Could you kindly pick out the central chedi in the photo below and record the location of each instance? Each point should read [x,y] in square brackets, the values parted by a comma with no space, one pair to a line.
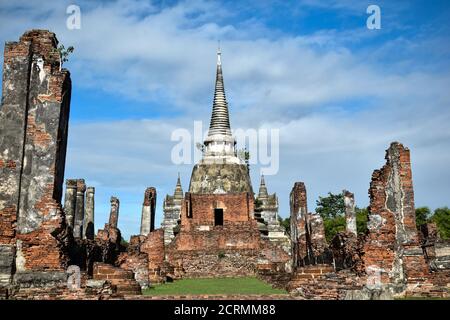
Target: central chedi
[214,229]
[220,170]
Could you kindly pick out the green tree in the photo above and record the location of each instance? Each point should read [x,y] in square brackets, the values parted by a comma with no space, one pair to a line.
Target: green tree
[362,216]
[331,206]
[123,242]
[333,225]
[64,53]
[332,210]
[422,216]
[441,217]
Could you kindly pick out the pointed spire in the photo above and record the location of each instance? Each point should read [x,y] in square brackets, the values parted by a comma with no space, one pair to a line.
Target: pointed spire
[262,189]
[220,120]
[219,53]
[178,189]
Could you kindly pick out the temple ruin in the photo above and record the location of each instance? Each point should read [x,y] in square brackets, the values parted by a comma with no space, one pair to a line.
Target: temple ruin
[218,228]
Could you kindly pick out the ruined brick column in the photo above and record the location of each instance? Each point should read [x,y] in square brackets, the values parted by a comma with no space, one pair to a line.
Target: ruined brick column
[33,124]
[392,251]
[114,214]
[148,211]
[88,223]
[316,241]
[13,120]
[155,249]
[299,210]
[70,200]
[79,209]
[350,215]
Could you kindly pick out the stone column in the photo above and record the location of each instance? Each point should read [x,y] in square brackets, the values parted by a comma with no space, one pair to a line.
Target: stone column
[88,223]
[13,125]
[70,200]
[33,136]
[299,212]
[148,211]
[114,215]
[34,118]
[350,215]
[317,242]
[392,249]
[79,209]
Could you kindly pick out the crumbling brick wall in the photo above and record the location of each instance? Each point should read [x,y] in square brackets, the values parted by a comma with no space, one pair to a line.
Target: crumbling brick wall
[222,261]
[437,250]
[392,247]
[135,260]
[309,244]
[108,241]
[348,250]
[239,235]
[154,247]
[316,230]
[34,125]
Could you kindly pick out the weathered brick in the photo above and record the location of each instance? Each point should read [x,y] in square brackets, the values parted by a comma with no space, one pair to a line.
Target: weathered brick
[32,147]
[392,226]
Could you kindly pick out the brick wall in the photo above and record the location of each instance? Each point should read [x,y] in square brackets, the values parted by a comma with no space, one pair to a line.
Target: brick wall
[234,235]
[198,209]
[33,125]
[153,246]
[392,246]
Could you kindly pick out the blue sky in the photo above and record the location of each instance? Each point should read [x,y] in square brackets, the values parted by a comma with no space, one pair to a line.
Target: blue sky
[338,92]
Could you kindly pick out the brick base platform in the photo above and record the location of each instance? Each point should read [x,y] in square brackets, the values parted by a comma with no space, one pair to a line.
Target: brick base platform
[122,279]
[214,297]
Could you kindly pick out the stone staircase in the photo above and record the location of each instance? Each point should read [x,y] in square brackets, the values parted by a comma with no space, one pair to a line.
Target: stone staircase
[312,272]
[321,282]
[122,279]
[308,274]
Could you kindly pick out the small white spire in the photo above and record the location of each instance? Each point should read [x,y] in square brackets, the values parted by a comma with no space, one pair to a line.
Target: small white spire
[218,54]
[220,120]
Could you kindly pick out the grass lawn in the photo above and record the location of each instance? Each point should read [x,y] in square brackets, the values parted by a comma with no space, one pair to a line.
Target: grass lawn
[421,298]
[248,285]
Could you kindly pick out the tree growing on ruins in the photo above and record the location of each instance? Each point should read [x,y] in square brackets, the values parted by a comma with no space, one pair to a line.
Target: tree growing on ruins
[201,147]
[332,210]
[441,217]
[244,154]
[64,54]
[422,216]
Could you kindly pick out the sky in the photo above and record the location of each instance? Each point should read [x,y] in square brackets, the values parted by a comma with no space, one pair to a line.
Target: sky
[338,92]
